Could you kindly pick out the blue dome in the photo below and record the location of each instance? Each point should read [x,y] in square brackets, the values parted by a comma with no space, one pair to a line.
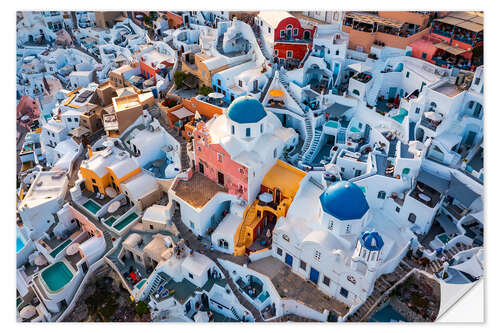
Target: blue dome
[246,110]
[344,200]
[372,241]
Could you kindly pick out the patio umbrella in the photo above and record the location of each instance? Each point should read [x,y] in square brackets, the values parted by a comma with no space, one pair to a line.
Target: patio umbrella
[40,260]
[215,95]
[111,192]
[197,115]
[434,116]
[113,207]
[73,249]
[276,93]
[266,197]
[28,312]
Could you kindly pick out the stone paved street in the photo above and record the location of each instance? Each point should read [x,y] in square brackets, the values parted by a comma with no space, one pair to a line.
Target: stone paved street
[290,285]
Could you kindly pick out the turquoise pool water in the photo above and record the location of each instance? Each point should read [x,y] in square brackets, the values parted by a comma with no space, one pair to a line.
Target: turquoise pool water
[126,221]
[387,314]
[354,129]
[57,276]
[140,284]
[401,116]
[92,206]
[61,247]
[332,124]
[263,296]
[19,244]
[110,221]
[444,238]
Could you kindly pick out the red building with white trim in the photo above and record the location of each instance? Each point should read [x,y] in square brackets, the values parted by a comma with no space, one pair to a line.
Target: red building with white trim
[291,39]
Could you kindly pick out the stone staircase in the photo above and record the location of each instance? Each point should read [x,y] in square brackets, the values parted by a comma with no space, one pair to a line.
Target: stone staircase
[309,135]
[382,284]
[244,241]
[436,265]
[260,42]
[372,95]
[243,301]
[233,311]
[309,155]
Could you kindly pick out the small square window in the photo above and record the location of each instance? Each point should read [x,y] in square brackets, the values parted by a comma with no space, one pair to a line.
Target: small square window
[190,275]
[326,281]
[303,265]
[344,292]
[93,180]
[424,55]
[279,251]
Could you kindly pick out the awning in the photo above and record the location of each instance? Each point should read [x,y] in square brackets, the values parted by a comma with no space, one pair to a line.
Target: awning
[462,192]
[455,50]
[79,132]
[437,183]
[450,20]
[370,19]
[470,26]
[182,113]
[337,109]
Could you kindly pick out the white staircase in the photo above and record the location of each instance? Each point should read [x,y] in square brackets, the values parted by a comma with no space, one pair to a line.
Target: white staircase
[312,151]
[371,97]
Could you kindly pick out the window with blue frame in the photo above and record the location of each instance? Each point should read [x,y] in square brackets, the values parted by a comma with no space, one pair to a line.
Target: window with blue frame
[344,292]
[248,131]
[424,55]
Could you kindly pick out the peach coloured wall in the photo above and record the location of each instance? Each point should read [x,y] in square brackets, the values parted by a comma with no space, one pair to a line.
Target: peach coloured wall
[234,173]
[366,39]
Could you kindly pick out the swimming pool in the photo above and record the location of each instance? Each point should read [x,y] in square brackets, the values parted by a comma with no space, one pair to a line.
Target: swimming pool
[110,221]
[387,314]
[263,296]
[56,276]
[140,284]
[92,206]
[444,238]
[401,116]
[126,221]
[354,129]
[332,124]
[61,247]
[19,244]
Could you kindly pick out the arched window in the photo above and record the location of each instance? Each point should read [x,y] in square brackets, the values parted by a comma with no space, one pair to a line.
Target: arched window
[381,195]
[412,218]
[307,34]
[355,92]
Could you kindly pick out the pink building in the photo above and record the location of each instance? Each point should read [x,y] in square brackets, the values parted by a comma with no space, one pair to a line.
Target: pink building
[213,161]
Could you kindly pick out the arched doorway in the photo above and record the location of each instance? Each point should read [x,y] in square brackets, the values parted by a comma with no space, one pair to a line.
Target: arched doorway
[307,34]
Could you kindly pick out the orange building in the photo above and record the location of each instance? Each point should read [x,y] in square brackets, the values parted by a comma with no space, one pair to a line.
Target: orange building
[392,29]
[180,116]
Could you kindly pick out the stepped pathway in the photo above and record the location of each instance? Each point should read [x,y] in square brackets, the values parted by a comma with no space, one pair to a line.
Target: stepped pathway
[196,245]
[156,113]
[382,284]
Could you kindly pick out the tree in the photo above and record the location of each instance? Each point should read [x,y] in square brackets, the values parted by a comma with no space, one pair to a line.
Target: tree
[179,77]
[204,90]
[141,308]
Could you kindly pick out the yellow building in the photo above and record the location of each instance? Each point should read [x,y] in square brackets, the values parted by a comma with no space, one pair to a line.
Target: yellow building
[278,189]
[107,168]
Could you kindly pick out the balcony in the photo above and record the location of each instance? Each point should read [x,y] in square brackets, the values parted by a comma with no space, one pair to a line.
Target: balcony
[426,195]
[427,123]
[363,77]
